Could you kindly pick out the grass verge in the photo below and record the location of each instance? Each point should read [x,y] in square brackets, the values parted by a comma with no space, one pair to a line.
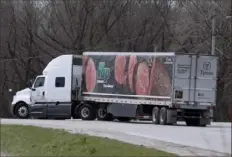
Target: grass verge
[36,141]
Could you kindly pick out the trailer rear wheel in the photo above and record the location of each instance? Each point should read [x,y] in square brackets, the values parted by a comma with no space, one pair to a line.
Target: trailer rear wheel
[163,116]
[155,115]
[103,115]
[87,112]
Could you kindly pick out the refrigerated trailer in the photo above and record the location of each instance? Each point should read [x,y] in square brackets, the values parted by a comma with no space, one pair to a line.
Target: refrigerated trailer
[161,87]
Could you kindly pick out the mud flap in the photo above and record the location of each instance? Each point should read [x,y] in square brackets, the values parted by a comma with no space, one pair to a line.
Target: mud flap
[205,121]
[171,116]
[206,117]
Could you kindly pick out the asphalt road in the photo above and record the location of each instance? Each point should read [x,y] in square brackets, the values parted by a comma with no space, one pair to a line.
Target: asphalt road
[212,140]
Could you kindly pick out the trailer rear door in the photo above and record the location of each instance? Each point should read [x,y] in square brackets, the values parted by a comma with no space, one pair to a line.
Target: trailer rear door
[194,80]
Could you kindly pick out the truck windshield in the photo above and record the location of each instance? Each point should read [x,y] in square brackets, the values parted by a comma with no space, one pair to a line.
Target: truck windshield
[39,82]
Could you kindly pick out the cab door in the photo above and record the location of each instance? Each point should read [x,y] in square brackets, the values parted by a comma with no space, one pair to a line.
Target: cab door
[58,101]
[39,105]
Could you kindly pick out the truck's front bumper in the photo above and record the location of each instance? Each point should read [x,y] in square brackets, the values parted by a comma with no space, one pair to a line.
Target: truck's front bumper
[12,109]
[12,105]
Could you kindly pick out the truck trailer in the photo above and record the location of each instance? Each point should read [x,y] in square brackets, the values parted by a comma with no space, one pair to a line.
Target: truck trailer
[156,86]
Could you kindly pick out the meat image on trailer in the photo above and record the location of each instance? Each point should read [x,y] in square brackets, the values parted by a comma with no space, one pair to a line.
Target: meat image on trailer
[130,75]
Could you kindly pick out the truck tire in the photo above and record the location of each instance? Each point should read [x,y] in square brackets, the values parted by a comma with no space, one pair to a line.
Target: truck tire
[75,112]
[22,111]
[163,116]
[87,112]
[123,119]
[155,115]
[103,115]
[189,122]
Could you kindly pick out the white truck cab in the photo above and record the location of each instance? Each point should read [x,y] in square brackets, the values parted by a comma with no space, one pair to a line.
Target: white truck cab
[50,93]
[28,96]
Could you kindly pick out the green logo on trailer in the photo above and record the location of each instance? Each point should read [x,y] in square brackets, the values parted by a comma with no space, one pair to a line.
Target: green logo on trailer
[103,72]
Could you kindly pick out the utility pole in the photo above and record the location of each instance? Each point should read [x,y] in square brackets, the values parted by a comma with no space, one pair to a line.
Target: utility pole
[214,30]
[213,35]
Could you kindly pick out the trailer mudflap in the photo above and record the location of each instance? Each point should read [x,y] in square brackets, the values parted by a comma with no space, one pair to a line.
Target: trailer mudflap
[171,116]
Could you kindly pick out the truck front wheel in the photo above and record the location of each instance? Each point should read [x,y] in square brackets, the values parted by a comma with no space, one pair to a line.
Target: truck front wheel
[21,111]
[87,112]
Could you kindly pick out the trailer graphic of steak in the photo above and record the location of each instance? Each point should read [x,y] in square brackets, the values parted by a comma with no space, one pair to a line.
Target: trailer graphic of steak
[84,62]
[160,80]
[141,79]
[119,69]
[152,77]
[127,75]
[132,63]
[90,75]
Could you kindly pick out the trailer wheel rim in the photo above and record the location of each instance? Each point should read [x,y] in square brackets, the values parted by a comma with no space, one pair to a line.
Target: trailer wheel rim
[101,113]
[85,112]
[22,111]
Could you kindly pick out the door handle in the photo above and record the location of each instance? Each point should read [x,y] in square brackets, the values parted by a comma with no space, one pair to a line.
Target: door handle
[43,93]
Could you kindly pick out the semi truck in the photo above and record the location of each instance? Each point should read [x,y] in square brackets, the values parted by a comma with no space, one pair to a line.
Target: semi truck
[156,86]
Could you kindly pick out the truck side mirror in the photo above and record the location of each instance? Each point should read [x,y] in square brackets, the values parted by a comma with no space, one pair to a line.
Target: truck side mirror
[33,89]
